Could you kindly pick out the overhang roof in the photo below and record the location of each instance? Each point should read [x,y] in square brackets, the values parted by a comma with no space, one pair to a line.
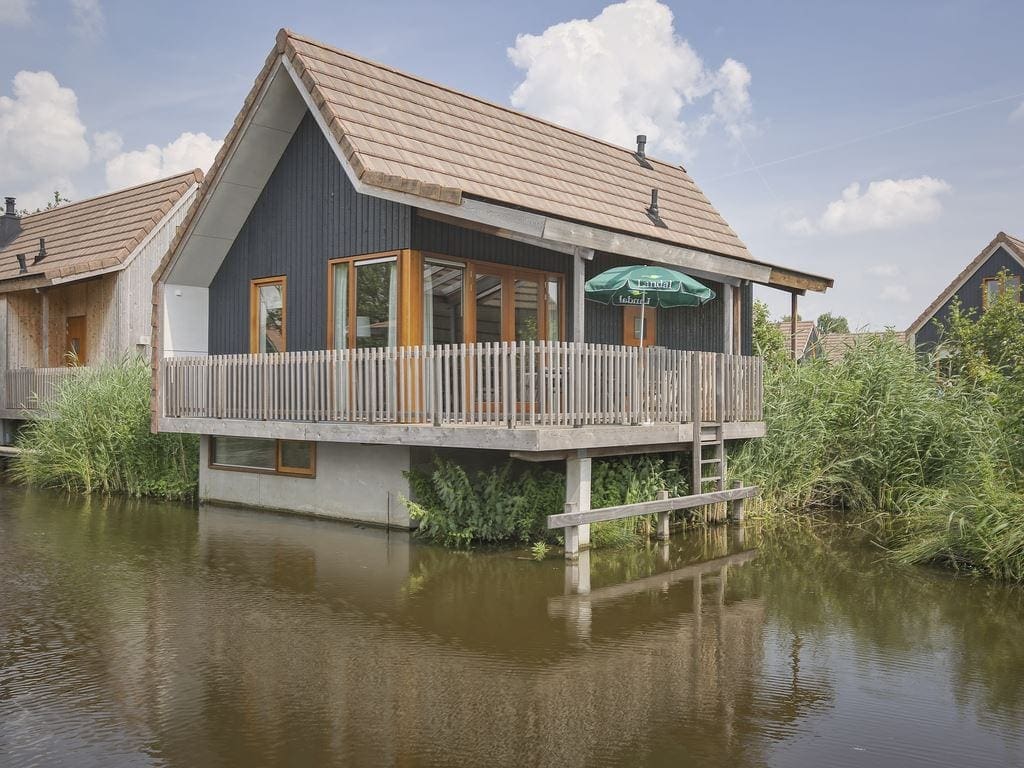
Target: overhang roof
[1013,245]
[99,233]
[456,155]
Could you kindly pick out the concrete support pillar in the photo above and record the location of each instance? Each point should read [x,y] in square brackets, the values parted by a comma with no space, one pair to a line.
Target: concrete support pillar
[577,575]
[663,518]
[577,494]
[736,506]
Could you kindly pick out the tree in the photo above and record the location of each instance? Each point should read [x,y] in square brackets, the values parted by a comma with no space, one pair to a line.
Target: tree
[769,342]
[57,201]
[829,323]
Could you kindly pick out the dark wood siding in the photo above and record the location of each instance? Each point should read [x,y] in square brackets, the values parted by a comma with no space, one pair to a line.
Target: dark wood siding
[307,214]
[697,328]
[970,296]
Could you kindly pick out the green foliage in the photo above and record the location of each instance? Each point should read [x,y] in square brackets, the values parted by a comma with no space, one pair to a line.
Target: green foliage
[769,342]
[94,436]
[829,323]
[539,550]
[510,503]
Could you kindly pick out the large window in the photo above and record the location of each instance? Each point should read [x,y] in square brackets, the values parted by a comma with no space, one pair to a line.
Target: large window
[267,307]
[249,454]
[993,287]
[364,302]
[443,308]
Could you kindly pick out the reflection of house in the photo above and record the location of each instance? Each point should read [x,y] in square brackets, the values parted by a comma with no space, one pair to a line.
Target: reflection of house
[805,344]
[75,283]
[976,284]
[420,255]
[834,346]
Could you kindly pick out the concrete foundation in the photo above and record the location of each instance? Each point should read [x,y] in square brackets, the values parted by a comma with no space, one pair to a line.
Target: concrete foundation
[363,483]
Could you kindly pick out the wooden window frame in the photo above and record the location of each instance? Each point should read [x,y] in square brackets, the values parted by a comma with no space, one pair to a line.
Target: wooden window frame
[401,258]
[254,315]
[999,281]
[508,275]
[279,469]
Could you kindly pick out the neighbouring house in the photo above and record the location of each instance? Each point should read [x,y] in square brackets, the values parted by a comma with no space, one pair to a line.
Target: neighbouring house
[379,269]
[834,346]
[977,284]
[805,343]
[76,285]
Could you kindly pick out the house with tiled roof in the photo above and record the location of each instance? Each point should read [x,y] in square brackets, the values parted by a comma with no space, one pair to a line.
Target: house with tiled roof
[835,346]
[76,284]
[977,284]
[379,269]
[805,342]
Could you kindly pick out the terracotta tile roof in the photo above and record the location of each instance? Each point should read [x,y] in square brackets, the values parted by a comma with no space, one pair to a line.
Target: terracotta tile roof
[92,234]
[836,345]
[804,328]
[1014,245]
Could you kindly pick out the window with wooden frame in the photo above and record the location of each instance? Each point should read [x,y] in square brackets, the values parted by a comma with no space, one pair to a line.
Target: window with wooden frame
[268,299]
[363,301]
[632,333]
[513,304]
[266,455]
[993,287]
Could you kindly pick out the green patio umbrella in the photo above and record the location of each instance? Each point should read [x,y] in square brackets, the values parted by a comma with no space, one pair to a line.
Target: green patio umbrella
[644,286]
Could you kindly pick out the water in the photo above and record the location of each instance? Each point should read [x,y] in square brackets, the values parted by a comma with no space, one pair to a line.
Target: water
[156,635]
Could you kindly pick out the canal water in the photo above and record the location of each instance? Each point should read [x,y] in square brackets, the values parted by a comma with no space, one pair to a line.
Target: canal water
[135,634]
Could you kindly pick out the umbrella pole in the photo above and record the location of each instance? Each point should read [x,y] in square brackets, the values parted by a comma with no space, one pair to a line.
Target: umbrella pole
[643,328]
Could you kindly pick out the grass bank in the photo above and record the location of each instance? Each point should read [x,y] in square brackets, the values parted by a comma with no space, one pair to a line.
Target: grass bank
[93,436]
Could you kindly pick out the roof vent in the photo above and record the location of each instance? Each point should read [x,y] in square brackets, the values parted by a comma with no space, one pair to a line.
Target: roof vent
[22,269]
[42,251]
[9,207]
[653,208]
[641,142]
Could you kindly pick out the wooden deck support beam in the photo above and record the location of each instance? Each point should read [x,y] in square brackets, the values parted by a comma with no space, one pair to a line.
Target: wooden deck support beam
[575,518]
[577,502]
[736,506]
[663,518]
[792,324]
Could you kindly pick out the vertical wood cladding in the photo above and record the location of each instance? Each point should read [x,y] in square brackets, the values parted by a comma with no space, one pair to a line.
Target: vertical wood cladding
[969,295]
[307,214]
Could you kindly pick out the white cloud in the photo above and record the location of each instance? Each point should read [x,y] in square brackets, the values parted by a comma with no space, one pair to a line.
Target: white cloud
[43,136]
[625,72]
[1017,116]
[106,144]
[885,205]
[896,292]
[15,13]
[189,150]
[89,22]
[884,270]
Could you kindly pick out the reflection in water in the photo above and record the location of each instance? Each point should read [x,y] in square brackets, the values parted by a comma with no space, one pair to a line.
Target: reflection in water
[139,634]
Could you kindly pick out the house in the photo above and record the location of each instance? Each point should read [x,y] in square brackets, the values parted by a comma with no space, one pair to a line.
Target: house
[378,269]
[835,346]
[76,285]
[974,287]
[805,342]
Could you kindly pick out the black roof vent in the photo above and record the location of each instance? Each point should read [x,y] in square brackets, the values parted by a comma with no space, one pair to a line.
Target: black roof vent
[22,269]
[10,223]
[641,151]
[652,210]
[42,251]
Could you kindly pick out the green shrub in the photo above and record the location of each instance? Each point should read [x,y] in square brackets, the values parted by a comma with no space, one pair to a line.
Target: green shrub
[511,503]
[94,436]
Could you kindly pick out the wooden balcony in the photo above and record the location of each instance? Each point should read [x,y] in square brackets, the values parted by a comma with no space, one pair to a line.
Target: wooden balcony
[25,389]
[514,387]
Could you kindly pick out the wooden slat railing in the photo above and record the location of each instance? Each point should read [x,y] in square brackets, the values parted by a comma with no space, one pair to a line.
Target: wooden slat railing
[27,388]
[501,384]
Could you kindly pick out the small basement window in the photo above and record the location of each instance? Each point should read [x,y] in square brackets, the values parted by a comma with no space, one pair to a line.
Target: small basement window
[252,454]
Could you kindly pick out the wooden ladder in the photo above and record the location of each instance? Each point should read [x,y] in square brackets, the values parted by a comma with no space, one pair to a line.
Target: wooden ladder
[709,452]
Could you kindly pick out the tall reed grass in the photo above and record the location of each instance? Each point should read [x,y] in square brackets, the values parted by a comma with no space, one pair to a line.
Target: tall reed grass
[94,436]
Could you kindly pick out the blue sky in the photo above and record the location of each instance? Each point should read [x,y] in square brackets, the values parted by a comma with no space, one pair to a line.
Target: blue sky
[915,102]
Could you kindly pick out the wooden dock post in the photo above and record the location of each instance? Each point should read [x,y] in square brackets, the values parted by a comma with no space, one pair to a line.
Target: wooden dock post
[736,506]
[577,496]
[663,518]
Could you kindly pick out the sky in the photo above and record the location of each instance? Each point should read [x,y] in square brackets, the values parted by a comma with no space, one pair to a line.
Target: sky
[878,143]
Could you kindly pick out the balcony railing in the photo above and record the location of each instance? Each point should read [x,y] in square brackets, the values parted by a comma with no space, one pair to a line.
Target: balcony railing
[27,388]
[493,384]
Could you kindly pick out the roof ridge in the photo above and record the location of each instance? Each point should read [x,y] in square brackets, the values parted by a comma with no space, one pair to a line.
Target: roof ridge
[472,97]
[195,172]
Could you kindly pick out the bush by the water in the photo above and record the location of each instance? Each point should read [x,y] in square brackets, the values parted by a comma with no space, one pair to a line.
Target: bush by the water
[94,436]
[510,503]
[931,458]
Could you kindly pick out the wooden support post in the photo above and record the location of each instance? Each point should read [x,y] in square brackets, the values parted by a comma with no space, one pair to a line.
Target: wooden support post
[792,325]
[45,330]
[579,277]
[577,496]
[696,405]
[577,575]
[727,318]
[663,518]
[736,506]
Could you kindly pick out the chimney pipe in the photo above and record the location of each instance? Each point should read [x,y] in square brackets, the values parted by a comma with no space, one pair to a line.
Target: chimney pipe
[641,142]
[42,251]
[653,210]
[10,207]
[22,269]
